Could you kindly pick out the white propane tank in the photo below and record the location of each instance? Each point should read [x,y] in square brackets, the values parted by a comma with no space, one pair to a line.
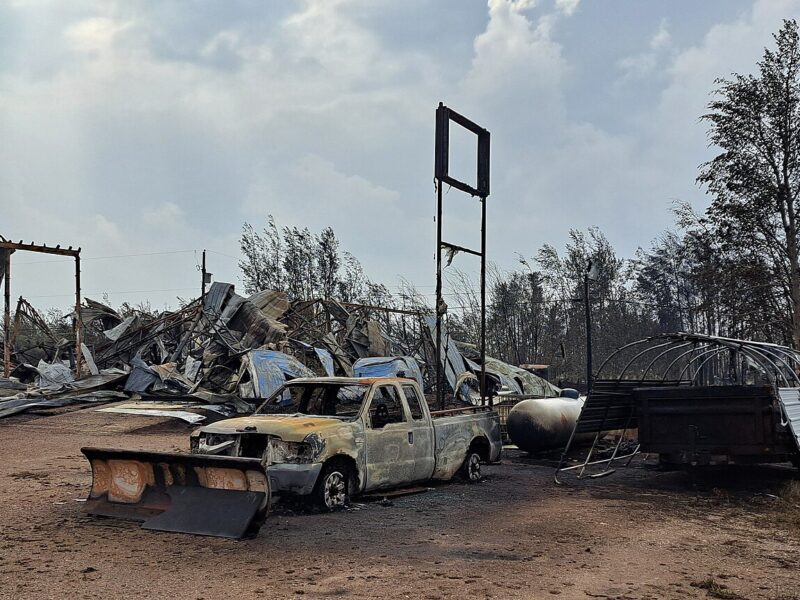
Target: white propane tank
[543,423]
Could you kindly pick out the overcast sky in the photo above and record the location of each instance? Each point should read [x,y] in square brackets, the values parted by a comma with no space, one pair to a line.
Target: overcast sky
[158,128]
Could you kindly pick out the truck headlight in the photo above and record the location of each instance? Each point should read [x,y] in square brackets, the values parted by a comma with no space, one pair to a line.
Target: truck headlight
[279,452]
[214,444]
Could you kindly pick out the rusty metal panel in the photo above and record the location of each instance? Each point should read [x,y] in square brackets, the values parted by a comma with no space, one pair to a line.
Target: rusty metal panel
[191,493]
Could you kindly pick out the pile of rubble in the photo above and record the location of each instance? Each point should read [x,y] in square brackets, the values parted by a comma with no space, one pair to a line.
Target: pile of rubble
[219,355]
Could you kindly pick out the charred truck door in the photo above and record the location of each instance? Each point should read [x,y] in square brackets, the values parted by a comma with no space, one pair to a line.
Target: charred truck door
[390,448]
[422,434]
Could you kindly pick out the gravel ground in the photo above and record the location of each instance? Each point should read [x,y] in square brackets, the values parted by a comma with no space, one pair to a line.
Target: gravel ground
[639,533]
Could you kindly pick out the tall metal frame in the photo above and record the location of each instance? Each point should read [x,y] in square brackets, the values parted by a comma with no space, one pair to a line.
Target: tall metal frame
[444,116]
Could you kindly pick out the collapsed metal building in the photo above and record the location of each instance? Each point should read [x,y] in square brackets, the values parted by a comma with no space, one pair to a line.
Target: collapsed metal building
[692,399]
[220,354]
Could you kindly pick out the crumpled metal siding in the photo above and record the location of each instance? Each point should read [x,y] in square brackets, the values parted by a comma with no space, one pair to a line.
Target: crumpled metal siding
[389,366]
[505,379]
[141,377]
[326,359]
[216,296]
[790,400]
[13,406]
[269,369]
[115,333]
[452,360]
[53,376]
[267,377]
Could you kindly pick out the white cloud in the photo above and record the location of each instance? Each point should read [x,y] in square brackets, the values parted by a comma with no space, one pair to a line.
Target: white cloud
[167,215]
[567,6]
[95,34]
[516,57]
[645,63]
[158,128]
[661,38]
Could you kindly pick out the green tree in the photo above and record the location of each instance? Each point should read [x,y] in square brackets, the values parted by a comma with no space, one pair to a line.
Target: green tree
[755,179]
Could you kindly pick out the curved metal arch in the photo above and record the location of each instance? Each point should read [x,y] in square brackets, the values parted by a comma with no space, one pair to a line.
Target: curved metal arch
[750,351]
[704,345]
[667,351]
[700,366]
[772,359]
[642,353]
[777,368]
[717,346]
[715,349]
[620,349]
[789,354]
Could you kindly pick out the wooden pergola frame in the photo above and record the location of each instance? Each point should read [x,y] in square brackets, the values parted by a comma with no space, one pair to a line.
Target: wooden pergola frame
[10,248]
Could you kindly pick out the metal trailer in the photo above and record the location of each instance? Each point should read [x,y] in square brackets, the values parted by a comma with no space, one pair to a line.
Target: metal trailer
[694,400]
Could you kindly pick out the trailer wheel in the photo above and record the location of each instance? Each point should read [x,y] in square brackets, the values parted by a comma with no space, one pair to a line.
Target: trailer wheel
[332,491]
[471,469]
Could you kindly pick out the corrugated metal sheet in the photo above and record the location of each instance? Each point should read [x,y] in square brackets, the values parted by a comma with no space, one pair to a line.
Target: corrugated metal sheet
[610,406]
[270,368]
[216,296]
[790,399]
[389,366]
[452,360]
[326,359]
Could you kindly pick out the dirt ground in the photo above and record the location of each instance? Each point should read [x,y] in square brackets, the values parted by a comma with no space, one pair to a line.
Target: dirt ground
[640,533]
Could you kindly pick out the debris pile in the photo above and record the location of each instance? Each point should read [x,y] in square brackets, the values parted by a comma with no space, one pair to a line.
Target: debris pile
[219,355]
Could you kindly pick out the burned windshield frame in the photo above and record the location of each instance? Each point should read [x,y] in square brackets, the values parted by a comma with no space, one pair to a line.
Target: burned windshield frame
[308,389]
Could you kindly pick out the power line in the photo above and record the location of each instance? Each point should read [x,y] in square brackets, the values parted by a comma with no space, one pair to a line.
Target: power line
[39,262]
[226,255]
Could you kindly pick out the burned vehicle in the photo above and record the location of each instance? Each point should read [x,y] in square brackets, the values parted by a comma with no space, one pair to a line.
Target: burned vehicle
[331,438]
[323,439]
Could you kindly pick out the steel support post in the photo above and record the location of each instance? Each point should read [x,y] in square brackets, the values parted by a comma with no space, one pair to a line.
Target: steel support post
[439,393]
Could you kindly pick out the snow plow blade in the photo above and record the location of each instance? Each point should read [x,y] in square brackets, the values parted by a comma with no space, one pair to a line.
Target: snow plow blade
[189,493]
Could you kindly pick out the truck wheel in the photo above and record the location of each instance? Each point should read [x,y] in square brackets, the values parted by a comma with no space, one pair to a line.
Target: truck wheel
[471,469]
[332,491]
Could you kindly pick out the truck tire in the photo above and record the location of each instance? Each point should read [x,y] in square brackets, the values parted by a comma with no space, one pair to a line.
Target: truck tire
[471,469]
[332,490]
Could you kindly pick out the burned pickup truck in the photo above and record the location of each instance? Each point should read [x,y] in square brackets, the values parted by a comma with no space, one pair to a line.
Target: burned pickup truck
[330,438]
[323,439]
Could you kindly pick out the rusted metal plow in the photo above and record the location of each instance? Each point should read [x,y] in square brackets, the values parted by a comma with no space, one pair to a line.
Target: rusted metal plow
[206,495]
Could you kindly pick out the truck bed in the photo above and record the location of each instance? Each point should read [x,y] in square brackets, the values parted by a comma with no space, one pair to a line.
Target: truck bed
[455,429]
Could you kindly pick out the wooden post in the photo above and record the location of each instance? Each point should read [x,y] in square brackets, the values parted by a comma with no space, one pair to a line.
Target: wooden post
[7,317]
[78,323]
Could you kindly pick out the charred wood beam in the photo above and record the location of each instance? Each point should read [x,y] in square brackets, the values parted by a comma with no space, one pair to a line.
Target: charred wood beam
[43,249]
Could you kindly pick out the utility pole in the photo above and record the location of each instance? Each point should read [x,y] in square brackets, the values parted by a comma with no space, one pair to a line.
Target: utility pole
[587,305]
[203,284]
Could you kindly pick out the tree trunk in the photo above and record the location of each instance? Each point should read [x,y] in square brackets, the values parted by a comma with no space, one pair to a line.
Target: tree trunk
[794,287]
